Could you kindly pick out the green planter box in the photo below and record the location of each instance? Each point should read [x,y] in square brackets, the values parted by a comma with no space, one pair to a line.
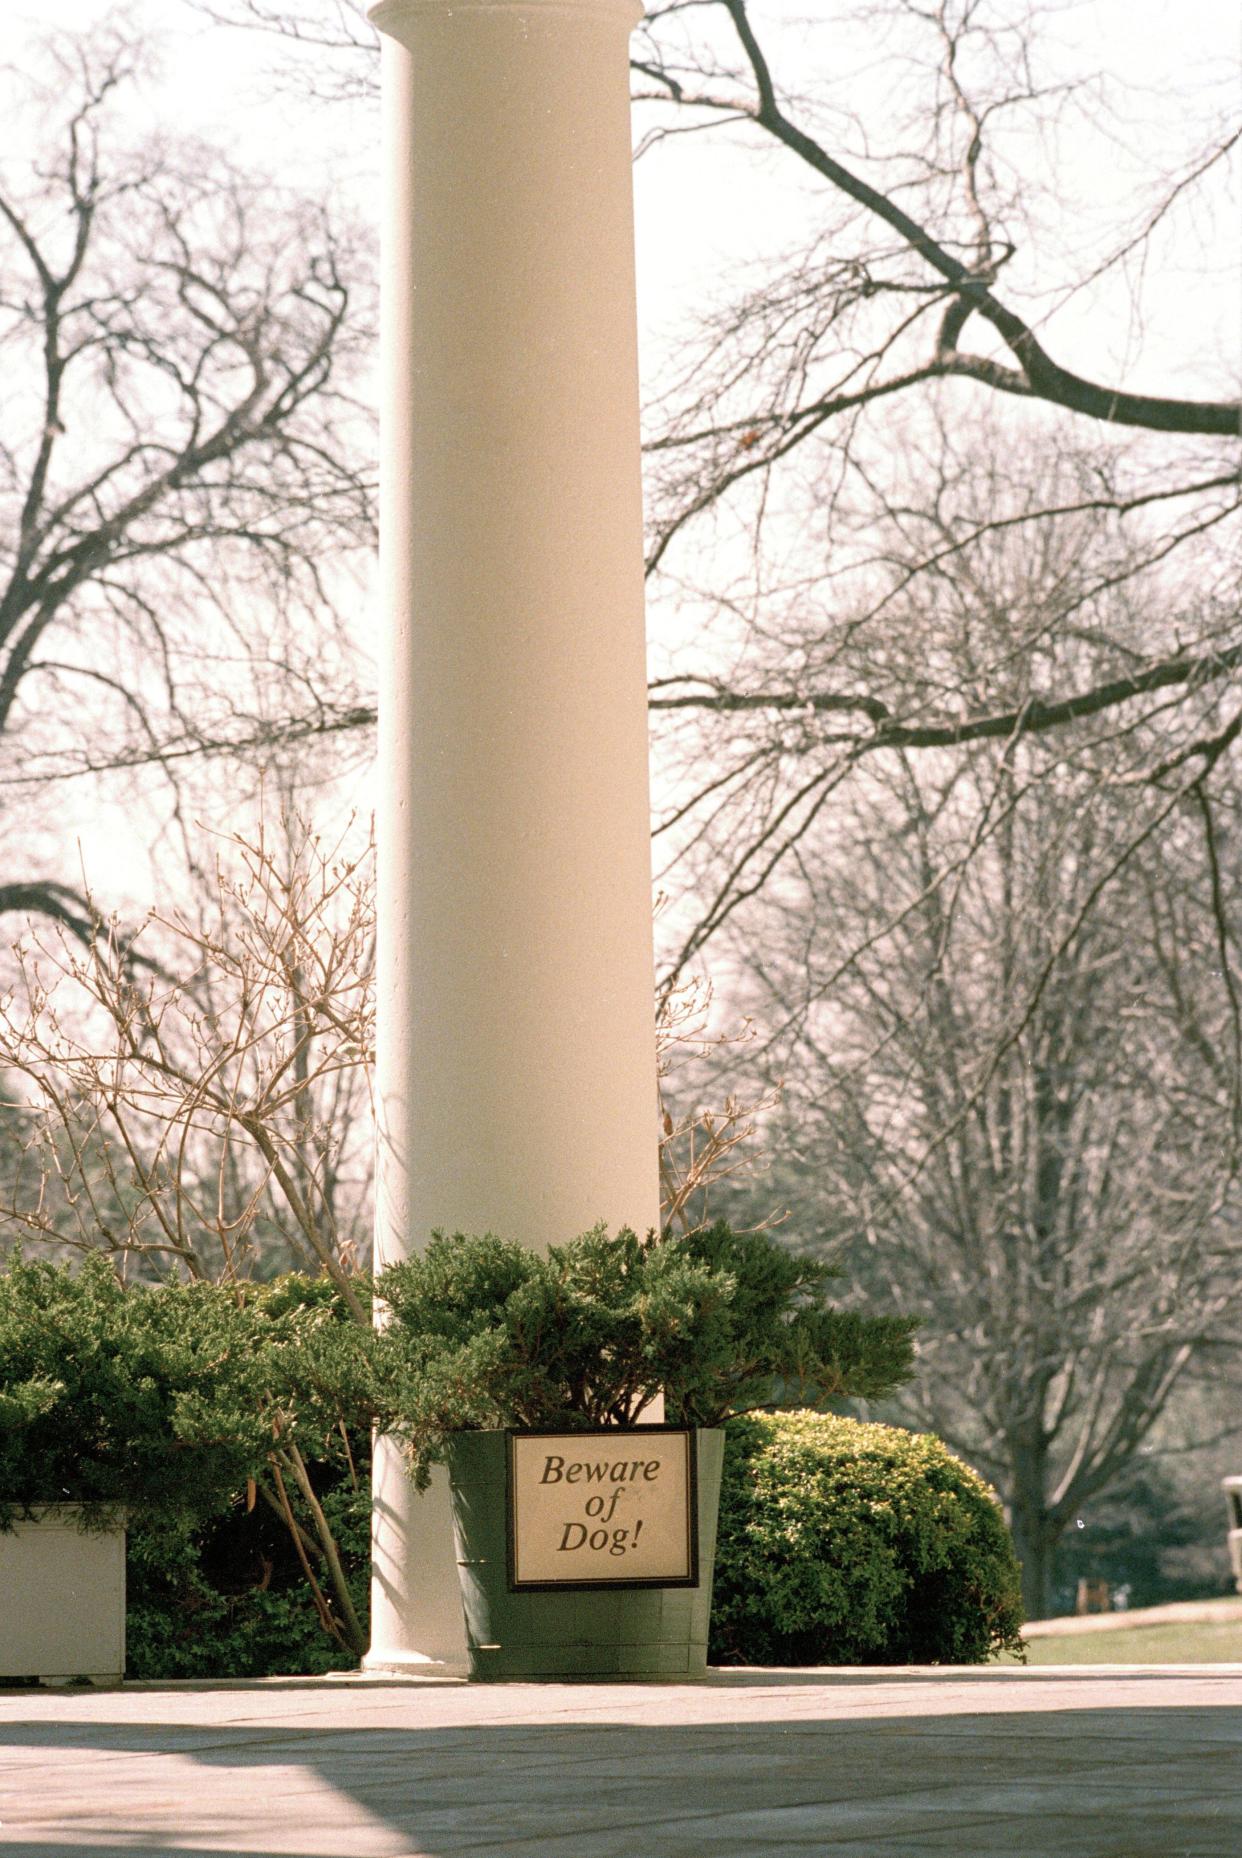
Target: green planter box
[606,1632]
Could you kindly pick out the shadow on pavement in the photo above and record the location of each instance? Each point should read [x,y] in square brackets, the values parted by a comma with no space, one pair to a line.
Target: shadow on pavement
[724,1677]
[1137,1782]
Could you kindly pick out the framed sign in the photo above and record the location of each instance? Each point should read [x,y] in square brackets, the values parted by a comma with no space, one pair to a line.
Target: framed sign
[613,1508]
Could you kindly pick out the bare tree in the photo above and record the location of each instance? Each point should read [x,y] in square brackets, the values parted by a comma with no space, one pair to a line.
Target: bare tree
[339,28]
[794,462]
[185,465]
[197,1092]
[966,625]
[193,1098]
[702,1148]
[1003,996]
[999,975]
[904,266]
[863,428]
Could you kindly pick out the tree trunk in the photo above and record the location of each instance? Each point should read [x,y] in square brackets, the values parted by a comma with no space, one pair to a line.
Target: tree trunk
[1035,1537]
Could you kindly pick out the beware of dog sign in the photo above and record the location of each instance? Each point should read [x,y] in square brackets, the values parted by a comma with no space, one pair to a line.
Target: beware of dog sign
[613,1508]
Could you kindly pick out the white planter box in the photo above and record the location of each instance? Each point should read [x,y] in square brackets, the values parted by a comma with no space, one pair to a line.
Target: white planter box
[1233,1497]
[62,1599]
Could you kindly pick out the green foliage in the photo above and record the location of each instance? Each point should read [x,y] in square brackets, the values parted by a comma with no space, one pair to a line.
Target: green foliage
[230,1424]
[487,1333]
[121,1399]
[843,1544]
[228,1597]
[163,1400]
[178,1402]
[1158,1531]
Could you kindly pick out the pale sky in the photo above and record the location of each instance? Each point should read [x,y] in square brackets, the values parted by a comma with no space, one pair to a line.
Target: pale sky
[707,204]
[710,206]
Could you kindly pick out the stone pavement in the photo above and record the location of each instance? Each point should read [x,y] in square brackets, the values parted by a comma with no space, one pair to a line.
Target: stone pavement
[1120,1762]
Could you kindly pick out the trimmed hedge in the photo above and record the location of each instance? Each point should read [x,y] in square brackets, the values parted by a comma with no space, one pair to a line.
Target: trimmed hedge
[843,1543]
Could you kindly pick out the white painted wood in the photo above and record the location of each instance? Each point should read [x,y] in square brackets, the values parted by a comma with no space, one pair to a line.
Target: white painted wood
[62,1599]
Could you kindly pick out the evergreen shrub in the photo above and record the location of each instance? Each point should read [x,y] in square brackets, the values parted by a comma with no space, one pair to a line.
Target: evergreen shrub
[139,1402]
[225,1595]
[176,1406]
[487,1334]
[844,1543]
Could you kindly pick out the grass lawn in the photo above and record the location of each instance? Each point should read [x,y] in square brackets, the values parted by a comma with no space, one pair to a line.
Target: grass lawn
[1181,1643]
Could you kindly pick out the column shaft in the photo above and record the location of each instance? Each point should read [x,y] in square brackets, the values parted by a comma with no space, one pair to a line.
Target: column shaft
[515,1069]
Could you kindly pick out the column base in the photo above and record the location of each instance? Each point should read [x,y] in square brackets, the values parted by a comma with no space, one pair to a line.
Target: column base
[416,1616]
[412,1665]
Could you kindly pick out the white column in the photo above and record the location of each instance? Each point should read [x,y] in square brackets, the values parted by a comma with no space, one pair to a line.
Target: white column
[516,1065]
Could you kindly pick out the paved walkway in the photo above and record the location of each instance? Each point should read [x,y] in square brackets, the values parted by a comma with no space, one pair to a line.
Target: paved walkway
[1177,1613]
[1105,1763]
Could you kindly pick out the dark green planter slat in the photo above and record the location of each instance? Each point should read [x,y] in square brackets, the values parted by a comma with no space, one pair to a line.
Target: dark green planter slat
[601,1632]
